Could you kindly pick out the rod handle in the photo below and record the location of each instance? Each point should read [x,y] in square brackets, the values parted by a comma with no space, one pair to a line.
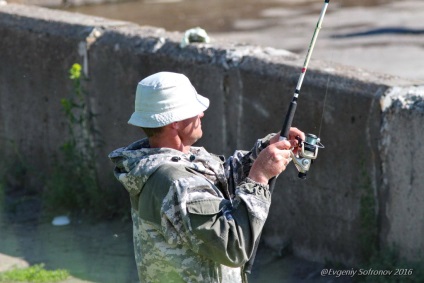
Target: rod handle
[289,119]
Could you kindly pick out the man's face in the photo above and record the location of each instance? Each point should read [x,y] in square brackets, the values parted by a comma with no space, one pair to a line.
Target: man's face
[190,129]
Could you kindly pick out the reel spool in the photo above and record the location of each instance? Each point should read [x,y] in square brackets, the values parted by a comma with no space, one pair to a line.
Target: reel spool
[307,153]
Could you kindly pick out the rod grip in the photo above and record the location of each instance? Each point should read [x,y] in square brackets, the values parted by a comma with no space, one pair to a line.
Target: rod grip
[289,118]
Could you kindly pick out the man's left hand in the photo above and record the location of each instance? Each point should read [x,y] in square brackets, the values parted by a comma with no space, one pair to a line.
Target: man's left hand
[293,133]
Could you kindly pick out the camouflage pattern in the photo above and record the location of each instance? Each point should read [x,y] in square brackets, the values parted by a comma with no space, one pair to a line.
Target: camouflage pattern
[196,216]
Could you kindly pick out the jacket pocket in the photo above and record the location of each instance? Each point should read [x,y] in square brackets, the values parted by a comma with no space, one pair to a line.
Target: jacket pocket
[206,206]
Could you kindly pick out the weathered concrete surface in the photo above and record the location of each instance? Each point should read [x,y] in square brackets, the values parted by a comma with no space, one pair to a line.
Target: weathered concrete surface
[249,87]
[402,191]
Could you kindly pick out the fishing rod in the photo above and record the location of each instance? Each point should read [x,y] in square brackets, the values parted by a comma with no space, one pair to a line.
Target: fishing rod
[308,149]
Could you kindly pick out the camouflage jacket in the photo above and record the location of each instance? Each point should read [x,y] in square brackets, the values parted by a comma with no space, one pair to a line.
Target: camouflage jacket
[195,216]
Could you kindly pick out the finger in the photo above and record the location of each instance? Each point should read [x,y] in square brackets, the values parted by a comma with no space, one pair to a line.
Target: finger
[294,143]
[275,138]
[289,159]
[294,132]
[287,154]
[284,144]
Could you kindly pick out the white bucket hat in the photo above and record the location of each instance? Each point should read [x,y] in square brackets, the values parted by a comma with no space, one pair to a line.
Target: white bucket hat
[164,98]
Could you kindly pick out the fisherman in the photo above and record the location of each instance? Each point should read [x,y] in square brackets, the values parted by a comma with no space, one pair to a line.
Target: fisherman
[196,216]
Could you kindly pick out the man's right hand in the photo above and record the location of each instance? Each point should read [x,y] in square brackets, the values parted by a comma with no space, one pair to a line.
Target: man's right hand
[271,161]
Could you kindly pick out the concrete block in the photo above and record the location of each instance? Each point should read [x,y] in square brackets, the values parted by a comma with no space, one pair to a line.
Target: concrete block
[402,190]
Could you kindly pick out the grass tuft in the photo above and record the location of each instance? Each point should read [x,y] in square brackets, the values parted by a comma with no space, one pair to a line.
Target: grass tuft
[35,273]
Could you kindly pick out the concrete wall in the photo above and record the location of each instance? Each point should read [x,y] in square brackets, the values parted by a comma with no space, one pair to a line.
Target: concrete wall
[364,185]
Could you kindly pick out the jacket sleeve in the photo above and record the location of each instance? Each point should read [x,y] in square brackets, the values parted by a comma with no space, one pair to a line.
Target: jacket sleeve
[194,213]
[237,166]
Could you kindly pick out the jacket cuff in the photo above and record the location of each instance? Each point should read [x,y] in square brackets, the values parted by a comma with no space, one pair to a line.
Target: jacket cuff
[250,186]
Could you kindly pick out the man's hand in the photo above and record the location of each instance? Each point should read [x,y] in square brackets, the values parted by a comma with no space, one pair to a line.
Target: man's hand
[293,133]
[274,158]
[271,161]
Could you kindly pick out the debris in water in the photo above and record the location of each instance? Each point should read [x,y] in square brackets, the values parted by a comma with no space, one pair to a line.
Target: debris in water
[61,220]
[194,35]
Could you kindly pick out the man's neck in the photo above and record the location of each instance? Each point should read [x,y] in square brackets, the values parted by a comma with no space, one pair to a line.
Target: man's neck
[169,142]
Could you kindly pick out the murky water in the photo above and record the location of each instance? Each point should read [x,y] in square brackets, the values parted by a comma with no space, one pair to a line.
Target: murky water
[90,251]
[103,251]
[289,24]
[214,16]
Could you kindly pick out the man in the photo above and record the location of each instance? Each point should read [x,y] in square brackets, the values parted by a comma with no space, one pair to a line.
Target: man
[196,216]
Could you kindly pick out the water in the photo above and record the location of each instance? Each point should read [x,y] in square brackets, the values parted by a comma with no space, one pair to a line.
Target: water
[103,251]
[91,251]
[214,16]
[289,24]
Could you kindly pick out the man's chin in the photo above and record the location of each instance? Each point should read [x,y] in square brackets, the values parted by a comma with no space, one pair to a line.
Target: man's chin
[198,138]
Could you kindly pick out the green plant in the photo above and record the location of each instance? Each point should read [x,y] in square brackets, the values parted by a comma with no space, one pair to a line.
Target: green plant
[82,132]
[35,273]
[74,185]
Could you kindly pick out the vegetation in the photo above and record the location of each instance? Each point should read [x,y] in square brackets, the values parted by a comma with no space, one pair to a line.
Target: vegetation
[74,184]
[35,273]
[375,259]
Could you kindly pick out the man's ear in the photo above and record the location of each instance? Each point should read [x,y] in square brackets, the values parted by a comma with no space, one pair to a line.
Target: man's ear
[174,125]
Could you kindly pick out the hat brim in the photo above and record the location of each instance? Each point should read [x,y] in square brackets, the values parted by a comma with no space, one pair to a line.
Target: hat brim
[154,120]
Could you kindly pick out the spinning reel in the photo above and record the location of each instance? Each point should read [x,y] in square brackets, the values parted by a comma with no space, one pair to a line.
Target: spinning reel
[308,151]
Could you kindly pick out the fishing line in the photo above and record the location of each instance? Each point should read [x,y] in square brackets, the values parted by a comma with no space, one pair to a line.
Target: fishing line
[326,94]
[325,99]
